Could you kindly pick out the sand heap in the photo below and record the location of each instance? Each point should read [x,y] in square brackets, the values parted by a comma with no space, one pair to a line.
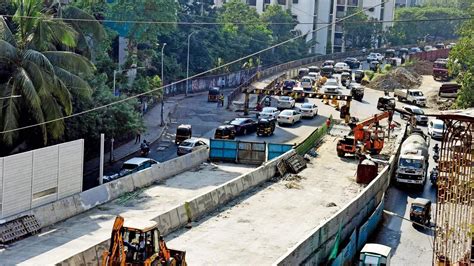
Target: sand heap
[400,78]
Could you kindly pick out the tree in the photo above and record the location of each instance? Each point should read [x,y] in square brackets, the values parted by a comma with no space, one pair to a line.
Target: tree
[46,78]
[461,60]
[361,31]
[410,31]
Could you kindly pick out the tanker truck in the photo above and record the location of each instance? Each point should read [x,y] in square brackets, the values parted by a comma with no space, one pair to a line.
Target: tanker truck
[413,160]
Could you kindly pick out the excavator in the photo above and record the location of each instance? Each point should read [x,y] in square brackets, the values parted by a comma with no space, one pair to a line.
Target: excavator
[366,136]
[138,243]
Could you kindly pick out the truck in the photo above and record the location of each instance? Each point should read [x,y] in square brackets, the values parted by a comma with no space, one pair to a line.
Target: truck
[440,70]
[413,96]
[413,160]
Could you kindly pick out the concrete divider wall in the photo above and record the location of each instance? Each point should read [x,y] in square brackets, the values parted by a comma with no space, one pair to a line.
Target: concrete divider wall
[193,209]
[315,248]
[65,208]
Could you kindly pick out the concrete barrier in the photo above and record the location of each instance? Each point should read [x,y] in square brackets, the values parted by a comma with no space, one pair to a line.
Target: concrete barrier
[65,208]
[315,248]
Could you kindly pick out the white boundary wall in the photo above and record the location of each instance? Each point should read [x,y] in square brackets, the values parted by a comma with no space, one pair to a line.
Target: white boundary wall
[34,178]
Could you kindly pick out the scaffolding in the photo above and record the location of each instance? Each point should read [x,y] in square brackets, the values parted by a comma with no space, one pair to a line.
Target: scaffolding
[454,209]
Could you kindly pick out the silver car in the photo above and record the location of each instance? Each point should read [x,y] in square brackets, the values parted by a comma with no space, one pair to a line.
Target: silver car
[268,112]
[331,87]
[285,102]
[190,145]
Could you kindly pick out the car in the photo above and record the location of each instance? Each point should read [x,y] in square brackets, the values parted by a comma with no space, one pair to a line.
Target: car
[341,67]
[435,128]
[420,116]
[415,50]
[374,57]
[268,112]
[244,126]
[288,116]
[331,86]
[428,48]
[289,84]
[131,166]
[314,69]
[440,45]
[352,62]
[308,110]
[314,75]
[328,63]
[307,82]
[191,145]
[285,102]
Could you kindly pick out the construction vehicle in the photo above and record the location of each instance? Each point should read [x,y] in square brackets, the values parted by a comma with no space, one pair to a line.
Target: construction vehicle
[366,136]
[139,242]
[413,160]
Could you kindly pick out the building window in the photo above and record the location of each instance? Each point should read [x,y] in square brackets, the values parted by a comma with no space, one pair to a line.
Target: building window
[341,2]
[267,1]
[295,1]
[282,2]
[352,2]
[252,2]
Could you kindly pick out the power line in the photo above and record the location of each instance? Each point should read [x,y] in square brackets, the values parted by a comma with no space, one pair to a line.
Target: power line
[235,23]
[182,80]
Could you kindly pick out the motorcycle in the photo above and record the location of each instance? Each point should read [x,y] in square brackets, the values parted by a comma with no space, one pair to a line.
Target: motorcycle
[433,176]
[144,150]
[436,157]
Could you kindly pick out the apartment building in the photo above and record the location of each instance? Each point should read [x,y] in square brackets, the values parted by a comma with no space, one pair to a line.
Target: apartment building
[317,17]
[408,3]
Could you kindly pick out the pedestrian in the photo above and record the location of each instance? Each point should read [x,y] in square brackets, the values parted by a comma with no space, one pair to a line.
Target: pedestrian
[221,99]
[137,137]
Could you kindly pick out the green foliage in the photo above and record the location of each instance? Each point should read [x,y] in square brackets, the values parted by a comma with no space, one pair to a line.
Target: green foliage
[359,32]
[462,62]
[387,68]
[369,74]
[460,4]
[419,31]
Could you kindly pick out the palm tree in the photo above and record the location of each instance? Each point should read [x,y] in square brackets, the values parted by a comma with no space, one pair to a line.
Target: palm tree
[45,77]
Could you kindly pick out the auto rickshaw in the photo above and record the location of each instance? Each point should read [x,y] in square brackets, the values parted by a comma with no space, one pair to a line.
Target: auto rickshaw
[420,211]
[346,78]
[183,132]
[266,127]
[374,65]
[225,132]
[302,72]
[359,75]
[213,94]
[386,103]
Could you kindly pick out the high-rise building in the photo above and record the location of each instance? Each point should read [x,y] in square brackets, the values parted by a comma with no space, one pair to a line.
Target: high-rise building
[408,3]
[316,15]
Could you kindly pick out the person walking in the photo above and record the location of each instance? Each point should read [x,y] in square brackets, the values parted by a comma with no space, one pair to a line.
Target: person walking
[221,99]
[138,137]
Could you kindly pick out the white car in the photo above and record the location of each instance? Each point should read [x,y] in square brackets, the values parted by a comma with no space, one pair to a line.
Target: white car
[307,82]
[285,102]
[268,112]
[340,67]
[374,57]
[131,166]
[435,128]
[314,75]
[309,110]
[288,117]
[331,86]
[191,145]
[420,116]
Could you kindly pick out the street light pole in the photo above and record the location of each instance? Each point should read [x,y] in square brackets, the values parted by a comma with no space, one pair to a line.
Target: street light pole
[115,75]
[187,65]
[9,97]
[162,85]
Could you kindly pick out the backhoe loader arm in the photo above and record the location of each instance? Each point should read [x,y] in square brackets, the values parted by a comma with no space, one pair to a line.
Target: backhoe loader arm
[115,256]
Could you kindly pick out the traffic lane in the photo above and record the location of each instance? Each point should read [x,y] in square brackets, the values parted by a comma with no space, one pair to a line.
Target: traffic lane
[412,245]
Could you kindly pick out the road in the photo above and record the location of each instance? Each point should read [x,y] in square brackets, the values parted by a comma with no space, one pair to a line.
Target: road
[411,245]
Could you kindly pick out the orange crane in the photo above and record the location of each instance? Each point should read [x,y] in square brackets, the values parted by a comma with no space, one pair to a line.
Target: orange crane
[366,136]
[139,243]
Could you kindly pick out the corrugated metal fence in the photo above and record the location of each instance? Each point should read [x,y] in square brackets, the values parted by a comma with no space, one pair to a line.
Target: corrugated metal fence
[41,176]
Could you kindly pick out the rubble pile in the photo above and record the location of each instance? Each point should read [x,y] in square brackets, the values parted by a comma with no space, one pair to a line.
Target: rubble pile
[422,67]
[400,78]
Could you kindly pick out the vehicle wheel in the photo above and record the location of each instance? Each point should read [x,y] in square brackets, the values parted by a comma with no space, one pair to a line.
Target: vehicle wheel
[400,98]
[340,153]
[293,122]
[279,124]
[245,131]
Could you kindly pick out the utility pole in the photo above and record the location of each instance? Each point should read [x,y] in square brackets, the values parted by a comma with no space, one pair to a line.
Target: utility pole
[187,65]
[101,161]
[162,85]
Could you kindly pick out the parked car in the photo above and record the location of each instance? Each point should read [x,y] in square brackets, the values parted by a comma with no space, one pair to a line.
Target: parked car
[288,117]
[352,62]
[340,67]
[268,112]
[308,110]
[374,57]
[285,102]
[428,48]
[131,166]
[243,125]
[420,116]
[289,84]
[331,86]
[328,63]
[415,50]
[190,145]
[435,128]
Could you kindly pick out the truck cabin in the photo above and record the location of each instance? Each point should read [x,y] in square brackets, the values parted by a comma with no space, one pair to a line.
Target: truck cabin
[141,240]
[375,254]
[440,65]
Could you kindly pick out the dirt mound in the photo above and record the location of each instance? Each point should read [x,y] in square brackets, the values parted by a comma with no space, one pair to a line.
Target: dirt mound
[422,67]
[400,78]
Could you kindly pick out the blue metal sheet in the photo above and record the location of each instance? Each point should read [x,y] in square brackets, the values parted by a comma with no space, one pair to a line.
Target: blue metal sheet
[221,149]
[275,150]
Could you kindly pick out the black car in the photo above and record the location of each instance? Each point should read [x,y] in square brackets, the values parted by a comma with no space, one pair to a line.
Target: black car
[352,62]
[289,84]
[243,126]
